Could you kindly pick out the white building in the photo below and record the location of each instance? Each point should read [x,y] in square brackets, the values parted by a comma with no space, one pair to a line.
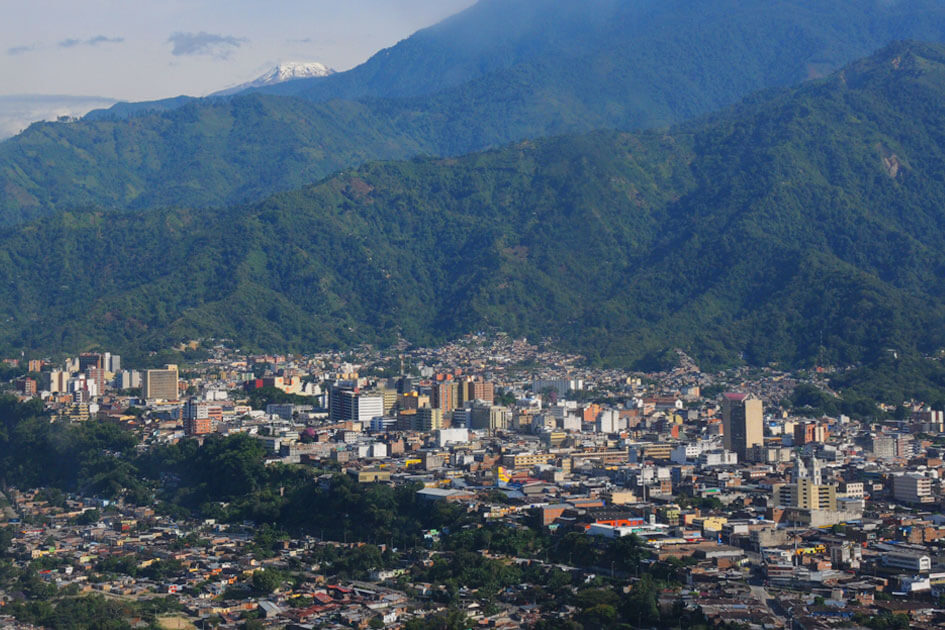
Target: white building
[917,563]
[451,436]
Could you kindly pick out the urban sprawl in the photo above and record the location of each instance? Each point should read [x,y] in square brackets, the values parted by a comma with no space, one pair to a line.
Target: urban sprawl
[572,489]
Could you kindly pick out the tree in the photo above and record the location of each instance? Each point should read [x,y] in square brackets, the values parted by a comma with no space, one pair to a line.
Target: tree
[266,581]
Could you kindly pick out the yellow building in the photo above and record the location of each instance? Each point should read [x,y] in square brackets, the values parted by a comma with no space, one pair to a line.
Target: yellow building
[806,495]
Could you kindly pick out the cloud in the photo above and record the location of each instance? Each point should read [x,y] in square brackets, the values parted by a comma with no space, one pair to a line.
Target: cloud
[19,50]
[204,44]
[306,40]
[95,41]
[101,39]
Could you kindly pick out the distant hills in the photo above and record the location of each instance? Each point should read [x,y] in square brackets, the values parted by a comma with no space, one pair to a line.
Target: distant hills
[502,71]
[802,226]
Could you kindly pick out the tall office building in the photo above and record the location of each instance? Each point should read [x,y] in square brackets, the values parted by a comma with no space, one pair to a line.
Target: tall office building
[742,424]
[161,384]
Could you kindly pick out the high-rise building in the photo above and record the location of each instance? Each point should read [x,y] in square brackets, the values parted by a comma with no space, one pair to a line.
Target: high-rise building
[490,418]
[807,490]
[161,384]
[97,375]
[475,389]
[390,401]
[883,446]
[128,379]
[809,432]
[89,360]
[742,424]
[429,419]
[111,363]
[58,381]
[341,400]
[445,395]
[346,403]
[197,419]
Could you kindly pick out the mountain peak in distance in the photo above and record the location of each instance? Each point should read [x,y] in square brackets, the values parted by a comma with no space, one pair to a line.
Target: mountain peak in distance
[280,74]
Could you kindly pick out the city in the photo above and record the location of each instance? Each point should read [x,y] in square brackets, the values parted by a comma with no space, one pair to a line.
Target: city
[491,482]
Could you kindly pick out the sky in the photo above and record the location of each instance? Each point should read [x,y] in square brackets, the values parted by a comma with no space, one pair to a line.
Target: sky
[147,49]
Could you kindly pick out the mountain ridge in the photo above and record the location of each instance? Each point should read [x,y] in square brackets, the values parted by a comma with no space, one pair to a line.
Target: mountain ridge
[660,63]
[775,231]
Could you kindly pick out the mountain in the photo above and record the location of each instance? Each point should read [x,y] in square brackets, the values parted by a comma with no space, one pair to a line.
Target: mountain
[800,226]
[280,74]
[502,71]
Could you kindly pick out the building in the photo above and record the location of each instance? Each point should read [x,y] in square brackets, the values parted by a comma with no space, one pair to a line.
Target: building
[111,363]
[527,460]
[89,360]
[477,390]
[445,395]
[58,381]
[490,418]
[451,436]
[161,384]
[916,563]
[560,386]
[810,432]
[912,488]
[608,421]
[807,495]
[345,403]
[742,424]
[429,419]
[196,416]
[97,375]
[341,400]
[883,446]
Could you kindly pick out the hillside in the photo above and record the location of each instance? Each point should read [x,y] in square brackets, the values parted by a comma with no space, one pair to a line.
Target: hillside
[803,225]
[502,71]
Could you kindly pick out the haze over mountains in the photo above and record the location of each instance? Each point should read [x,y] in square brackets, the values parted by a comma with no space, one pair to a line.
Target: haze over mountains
[802,226]
[18,111]
[501,71]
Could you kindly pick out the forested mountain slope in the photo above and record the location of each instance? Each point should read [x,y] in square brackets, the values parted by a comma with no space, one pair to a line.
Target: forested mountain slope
[804,225]
[502,71]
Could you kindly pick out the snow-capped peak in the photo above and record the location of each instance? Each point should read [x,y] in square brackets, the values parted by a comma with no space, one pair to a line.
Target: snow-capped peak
[281,73]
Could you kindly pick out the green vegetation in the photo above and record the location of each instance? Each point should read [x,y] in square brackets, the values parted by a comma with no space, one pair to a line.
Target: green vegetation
[493,76]
[801,227]
[92,457]
[261,397]
[59,611]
